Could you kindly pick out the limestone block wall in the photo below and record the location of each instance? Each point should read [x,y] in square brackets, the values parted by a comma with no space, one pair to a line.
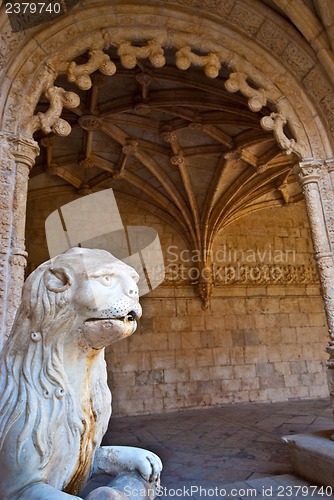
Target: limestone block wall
[262,338]
[247,347]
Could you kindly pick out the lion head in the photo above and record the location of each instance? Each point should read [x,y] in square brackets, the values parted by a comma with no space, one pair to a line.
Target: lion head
[72,307]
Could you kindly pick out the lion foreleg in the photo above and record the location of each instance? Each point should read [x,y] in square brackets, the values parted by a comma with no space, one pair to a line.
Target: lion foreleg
[116,459]
[42,491]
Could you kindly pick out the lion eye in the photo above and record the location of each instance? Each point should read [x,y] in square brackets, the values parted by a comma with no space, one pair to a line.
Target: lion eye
[106,280]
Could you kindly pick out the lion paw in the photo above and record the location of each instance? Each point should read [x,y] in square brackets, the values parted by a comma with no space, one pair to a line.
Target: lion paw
[148,465]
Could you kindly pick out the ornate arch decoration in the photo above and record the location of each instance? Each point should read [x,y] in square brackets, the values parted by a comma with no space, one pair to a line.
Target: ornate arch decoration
[200,41]
[216,47]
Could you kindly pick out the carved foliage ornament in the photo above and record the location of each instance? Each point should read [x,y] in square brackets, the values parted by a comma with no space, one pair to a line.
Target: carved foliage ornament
[80,74]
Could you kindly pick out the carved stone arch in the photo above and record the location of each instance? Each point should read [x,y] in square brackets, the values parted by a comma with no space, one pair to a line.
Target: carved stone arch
[202,40]
[51,51]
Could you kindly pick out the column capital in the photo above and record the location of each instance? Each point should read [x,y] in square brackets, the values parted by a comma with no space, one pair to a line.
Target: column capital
[23,149]
[311,170]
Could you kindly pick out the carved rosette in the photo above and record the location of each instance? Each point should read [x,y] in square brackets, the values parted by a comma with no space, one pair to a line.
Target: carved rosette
[89,122]
[130,148]
[177,159]
[168,135]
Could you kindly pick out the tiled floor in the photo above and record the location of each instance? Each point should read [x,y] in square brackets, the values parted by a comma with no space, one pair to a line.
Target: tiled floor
[236,448]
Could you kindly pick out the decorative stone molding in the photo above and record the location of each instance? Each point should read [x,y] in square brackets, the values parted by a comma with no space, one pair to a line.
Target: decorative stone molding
[152,51]
[283,189]
[211,63]
[238,82]
[51,121]
[80,74]
[276,122]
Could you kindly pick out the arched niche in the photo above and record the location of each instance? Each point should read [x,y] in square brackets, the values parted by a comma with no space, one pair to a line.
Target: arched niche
[219,46]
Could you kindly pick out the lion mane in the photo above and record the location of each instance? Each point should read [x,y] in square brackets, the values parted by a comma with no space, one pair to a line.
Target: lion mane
[34,384]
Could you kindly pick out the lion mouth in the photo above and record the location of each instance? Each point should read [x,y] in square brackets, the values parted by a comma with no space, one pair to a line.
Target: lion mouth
[101,332]
[128,318]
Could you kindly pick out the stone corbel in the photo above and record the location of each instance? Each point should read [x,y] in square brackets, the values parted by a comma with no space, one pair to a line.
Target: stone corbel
[211,63]
[238,82]
[152,51]
[205,289]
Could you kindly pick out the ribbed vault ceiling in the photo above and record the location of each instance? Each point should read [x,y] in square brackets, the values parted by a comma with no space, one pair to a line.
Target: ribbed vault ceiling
[191,152]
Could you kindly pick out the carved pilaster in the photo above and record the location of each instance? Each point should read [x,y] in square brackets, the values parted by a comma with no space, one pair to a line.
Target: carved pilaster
[24,152]
[315,181]
[17,158]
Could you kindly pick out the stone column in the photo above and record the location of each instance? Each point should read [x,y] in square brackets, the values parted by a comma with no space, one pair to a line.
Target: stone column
[17,156]
[314,177]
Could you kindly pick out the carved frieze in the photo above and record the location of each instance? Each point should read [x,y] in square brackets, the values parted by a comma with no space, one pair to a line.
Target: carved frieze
[245,17]
[328,105]
[295,58]
[272,37]
[317,85]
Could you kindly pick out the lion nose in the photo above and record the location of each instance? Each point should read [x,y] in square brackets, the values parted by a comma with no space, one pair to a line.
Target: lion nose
[133,292]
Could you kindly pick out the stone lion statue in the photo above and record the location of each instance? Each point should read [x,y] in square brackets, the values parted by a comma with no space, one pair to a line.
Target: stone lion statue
[55,403]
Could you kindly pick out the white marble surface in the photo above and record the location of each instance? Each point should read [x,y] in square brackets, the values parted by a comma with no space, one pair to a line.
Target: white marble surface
[55,403]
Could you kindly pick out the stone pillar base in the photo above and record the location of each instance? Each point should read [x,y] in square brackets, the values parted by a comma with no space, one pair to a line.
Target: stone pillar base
[312,456]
